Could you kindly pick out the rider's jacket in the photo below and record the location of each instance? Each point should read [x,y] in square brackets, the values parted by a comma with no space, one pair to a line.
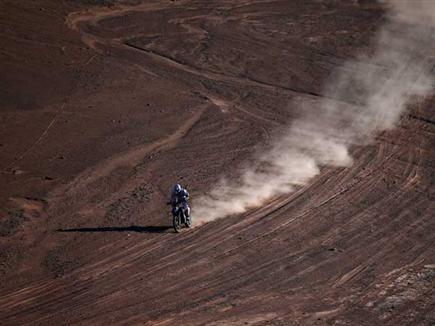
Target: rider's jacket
[181,196]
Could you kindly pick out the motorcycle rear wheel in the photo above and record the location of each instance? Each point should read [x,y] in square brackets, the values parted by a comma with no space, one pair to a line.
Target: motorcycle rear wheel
[188,223]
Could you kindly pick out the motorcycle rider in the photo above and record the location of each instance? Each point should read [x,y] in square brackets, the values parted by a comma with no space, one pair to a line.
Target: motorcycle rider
[180,195]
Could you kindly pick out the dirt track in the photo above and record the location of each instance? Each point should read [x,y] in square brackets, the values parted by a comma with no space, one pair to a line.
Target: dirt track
[104,107]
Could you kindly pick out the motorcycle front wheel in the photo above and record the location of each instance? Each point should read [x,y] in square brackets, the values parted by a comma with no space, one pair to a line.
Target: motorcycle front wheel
[176,223]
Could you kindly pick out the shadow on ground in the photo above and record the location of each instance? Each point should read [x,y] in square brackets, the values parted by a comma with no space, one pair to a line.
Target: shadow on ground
[132,228]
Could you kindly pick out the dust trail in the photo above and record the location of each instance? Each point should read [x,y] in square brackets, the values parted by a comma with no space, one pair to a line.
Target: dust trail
[370,94]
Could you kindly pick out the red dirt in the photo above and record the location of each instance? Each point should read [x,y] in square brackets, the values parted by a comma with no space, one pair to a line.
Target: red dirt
[103,107]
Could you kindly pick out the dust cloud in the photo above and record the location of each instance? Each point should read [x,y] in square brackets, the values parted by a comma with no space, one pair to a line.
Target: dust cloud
[365,96]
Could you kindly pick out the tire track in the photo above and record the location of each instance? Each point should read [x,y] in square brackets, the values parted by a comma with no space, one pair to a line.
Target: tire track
[134,156]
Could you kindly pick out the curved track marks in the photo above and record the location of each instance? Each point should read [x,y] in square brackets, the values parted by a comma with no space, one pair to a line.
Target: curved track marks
[331,252]
[134,156]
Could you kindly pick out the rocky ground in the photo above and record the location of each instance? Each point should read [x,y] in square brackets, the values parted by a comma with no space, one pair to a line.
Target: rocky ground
[104,104]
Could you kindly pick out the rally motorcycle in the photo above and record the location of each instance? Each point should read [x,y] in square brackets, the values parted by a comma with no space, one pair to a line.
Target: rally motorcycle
[180,218]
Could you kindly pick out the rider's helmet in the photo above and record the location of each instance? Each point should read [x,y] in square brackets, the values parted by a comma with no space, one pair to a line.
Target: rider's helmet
[177,188]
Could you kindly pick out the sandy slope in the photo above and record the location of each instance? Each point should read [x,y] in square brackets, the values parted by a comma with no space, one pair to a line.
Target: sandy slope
[104,107]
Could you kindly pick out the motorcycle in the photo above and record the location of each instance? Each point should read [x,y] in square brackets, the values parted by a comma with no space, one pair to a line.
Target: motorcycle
[179,217]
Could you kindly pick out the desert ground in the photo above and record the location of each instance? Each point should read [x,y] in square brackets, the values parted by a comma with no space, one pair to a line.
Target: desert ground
[106,104]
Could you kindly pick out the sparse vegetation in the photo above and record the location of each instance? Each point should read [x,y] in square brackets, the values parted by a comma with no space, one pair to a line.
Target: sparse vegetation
[56,262]
[12,222]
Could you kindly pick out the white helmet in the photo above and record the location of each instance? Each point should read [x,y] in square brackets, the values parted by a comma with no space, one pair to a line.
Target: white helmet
[177,188]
